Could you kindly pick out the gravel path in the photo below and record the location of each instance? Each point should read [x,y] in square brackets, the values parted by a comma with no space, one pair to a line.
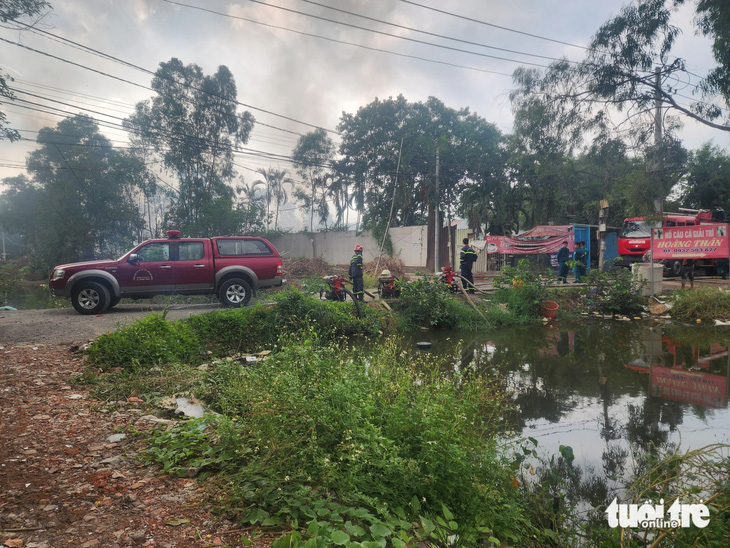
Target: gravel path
[66,326]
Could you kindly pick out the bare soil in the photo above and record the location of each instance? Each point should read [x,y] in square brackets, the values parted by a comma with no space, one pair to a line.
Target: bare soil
[69,468]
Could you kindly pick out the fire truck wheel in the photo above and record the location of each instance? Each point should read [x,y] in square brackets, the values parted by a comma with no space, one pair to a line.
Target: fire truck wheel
[234,293]
[674,268]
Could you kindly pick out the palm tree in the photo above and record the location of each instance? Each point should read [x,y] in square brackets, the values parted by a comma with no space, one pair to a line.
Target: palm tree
[274,182]
[339,191]
[268,191]
[248,192]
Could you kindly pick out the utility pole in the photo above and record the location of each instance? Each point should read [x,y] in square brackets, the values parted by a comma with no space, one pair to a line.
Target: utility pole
[437,222]
[658,163]
[602,220]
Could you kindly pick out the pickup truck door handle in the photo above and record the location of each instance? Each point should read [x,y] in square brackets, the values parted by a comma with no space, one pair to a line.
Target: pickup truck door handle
[165,266]
[199,266]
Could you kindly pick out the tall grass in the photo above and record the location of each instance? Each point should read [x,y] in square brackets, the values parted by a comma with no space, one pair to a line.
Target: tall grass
[703,303]
[154,341]
[315,427]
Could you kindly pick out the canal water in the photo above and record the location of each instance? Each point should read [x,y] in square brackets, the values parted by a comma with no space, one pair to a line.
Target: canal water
[608,389]
[27,296]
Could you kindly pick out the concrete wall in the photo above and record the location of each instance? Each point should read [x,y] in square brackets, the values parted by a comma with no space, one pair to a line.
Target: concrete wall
[332,247]
[409,245]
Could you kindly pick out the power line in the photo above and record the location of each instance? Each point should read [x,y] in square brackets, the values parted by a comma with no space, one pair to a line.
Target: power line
[423,42]
[494,26]
[264,139]
[131,65]
[333,40]
[256,134]
[430,33]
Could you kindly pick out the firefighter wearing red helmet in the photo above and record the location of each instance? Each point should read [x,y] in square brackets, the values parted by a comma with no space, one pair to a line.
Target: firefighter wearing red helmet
[355,273]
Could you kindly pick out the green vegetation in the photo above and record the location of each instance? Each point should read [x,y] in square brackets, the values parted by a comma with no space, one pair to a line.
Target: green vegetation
[154,341]
[704,303]
[428,302]
[361,444]
[615,291]
[326,442]
[332,443]
[523,289]
[8,276]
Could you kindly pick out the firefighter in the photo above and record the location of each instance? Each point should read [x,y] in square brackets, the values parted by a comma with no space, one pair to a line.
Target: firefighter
[718,214]
[466,259]
[355,273]
[581,257]
[563,258]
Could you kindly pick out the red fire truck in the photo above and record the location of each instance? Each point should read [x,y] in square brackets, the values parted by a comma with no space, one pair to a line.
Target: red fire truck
[634,239]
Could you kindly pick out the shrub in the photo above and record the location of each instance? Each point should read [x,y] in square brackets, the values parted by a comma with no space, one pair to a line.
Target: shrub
[147,342]
[318,433]
[153,340]
[523,288]
[616,291]
[705,303]
[8,276]
[426,303]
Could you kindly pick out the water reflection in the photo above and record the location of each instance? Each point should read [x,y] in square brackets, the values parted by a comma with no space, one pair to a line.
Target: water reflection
[26,296]
[610,389]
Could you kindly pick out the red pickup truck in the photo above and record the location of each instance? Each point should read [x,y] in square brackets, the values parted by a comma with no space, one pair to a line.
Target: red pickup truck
[230,267]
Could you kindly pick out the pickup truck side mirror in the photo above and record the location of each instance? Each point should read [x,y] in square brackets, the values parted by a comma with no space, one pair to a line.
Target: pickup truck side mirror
[133,258]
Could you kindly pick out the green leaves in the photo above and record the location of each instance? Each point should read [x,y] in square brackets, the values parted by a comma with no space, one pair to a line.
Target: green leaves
[193,124]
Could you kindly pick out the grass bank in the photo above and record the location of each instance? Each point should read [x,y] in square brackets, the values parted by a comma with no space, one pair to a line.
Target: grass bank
[331,443]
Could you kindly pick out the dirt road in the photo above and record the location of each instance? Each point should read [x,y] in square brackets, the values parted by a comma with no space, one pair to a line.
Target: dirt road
[66,326]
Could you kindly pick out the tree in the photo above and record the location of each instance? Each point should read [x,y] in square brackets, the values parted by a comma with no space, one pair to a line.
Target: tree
[312,158]
[708,178]
[540,160]
[78,203]
[274,181]
[17,15]
[629,66]
[193,125]
[389,151]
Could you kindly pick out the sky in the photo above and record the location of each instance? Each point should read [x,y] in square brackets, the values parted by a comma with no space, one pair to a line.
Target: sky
[307,76]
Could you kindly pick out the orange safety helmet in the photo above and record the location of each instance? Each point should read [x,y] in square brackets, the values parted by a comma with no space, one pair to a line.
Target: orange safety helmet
[358,247]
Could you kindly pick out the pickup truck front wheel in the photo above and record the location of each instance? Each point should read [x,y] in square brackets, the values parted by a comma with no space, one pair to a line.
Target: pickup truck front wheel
[234,293]
[90,298]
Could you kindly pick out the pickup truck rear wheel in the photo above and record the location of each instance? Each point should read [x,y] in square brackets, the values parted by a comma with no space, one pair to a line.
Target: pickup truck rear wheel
[90,298]
[234,293]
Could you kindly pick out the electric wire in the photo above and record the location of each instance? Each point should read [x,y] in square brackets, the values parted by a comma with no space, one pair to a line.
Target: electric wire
[312,35]
[131,65]
[390,35]
[494,26]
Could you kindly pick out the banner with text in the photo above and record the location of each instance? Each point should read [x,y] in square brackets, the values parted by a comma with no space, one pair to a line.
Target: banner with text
[541,239]
[708,241]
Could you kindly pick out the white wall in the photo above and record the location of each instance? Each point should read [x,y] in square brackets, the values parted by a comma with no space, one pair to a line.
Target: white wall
[409,245]
[332,247]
